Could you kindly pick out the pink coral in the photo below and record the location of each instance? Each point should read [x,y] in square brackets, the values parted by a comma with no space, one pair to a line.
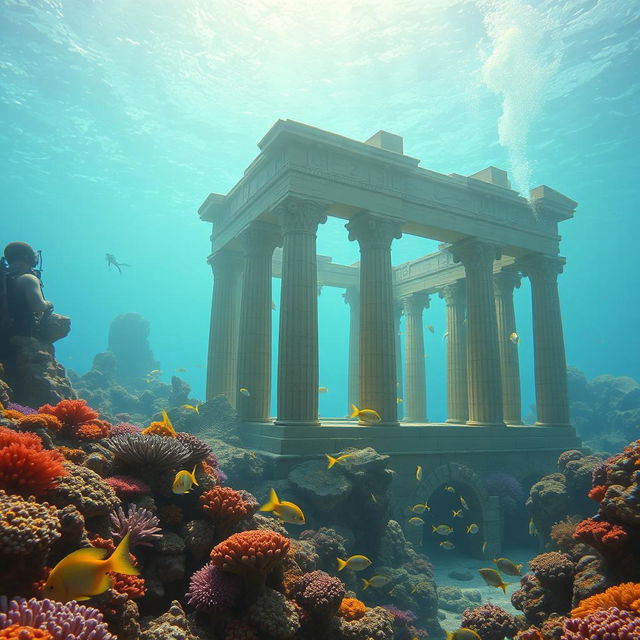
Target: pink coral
[214,590]
[319,593]
[606,624]
[127,486]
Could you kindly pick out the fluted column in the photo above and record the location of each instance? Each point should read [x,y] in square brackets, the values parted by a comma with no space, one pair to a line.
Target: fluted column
[377,333]
[352,298]
[552,400]
[223,330]
[504,283]
[483,357]
[457,395]
[298,340]
[254,342]
[400,386]
[415,396]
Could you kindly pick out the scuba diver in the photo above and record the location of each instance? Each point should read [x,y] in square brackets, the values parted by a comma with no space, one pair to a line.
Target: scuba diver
[111,260]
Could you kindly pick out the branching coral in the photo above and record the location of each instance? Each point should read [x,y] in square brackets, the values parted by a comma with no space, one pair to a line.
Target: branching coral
[607,624]
[490,622]
[213,590]
[624,596]
[225,507]
[156,452]
[139,522]
[274,615]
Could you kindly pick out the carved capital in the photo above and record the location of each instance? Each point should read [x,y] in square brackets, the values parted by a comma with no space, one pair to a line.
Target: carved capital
[454,293]
[474,253]
[373,232]
[505,281]
[351,296]
[541,269]
[261,238]
[414,303]
[296,215]
[225,263]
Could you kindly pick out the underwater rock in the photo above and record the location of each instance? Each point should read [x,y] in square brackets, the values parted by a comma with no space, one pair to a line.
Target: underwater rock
[243,468]
[173,625]
[325,489]
[129,342]
[457,600]
[463,575]
[179,392]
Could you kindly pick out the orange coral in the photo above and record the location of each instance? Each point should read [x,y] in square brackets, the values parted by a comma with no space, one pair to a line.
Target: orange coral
[9,436]
[160,429]
[77,456]
[131,586]
[352,609]
[40,421]
[92,430]
[20,632]
[226,507]
[25,471]
[11,414]
[70,412]
[597,492]
[625,596]
[250,553]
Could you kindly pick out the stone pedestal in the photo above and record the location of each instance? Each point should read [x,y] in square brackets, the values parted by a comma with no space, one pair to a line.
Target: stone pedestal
[352,298]
[457,396]
[223,331]
[483,358]
[504,283]
[254,341]
[552,400]
[415,397]
[378,378]
[298,340]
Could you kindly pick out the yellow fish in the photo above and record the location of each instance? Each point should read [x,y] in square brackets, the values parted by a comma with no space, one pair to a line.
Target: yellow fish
[514,337]
[376,581]
[286,511]
[366,415]
[167,423]
[456,514]
[154,372]
[84,573]
[420,508]
[473,529]
[418,473]
[493,579]
[355,563]
[462,634]
[333,460]
[484,547]
[373,498]
[430,328]
[508,567]
[244,392]
[184,481]
[416,522]
[441,529]
[447,546]
[190,407]
[463,504]
[323,390]
[450,489]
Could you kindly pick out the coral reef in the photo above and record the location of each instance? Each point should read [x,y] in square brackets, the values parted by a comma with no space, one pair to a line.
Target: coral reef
[490,622]
[213,590]
[603,625]
[138,522]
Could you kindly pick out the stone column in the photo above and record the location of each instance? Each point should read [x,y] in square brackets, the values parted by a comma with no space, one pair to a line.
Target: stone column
[400,388]
[254,343]
[457,396]
[298,341]
[377,332]
[552,400]
[504,283]
[415,397]
[223,331]
[483,357]
[352,298]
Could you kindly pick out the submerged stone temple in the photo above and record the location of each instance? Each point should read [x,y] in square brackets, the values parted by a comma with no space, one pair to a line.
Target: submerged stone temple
[491,237]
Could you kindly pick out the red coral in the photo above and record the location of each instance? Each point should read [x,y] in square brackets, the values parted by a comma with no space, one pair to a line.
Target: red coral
[71,413]
[597,492]
[22,632]
[226,507]
[9,436]
[40,421]
[602,535]
[126,486]
[26,471]
[130,586]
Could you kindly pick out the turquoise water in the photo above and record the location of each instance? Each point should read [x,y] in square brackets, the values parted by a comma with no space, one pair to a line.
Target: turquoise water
[119,117]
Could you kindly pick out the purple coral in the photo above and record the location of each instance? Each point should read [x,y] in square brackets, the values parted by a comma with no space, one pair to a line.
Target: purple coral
[123,428]
[27,411]
[69,621]
[504,485]
[139,522]
[198,449]
[319,593]
[211,589]
[490,622]
[402,615]
[605,624]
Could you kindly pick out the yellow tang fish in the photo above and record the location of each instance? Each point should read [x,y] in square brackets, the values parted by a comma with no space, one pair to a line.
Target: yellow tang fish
[244,392]
[190,407]
[167,423]
[355,563]
[376,581]
[450,489]
[184,481]
[333,460]
[508,567]
[366,415]
[442,529]
[84,573]
[286,511]
[418,473]
[323,390]
[154,372]
[462,634]
[456,514]
[514,337]
[493,579]
[416,522]
[447,546]
[463,504]
[473,529]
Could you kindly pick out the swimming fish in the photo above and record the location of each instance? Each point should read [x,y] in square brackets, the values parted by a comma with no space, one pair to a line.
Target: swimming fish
[355,563]
[154,372]
[441,529]
[244,392]
[399,400]
[445,335]
[190,407]
[508,567]
[416,522]
[462,634]
[430,328]
[447,546]
[532,528]
[181,370]
[373,498]
[514,337]
[492,578]
[484,547]
[463,504]
[420,508]
[418,473]
[286,511]
[84,573]
[376,581]
[473,529]
[184,481]
[366,415]
[456,514]
[333,460]
[167,423]
[323,390]
[450,489]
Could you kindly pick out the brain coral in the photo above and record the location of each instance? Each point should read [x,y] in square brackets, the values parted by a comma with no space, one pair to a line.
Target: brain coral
[26,527]
[273,614]
[607,624]
[250,553]
[552,567]
[156,452]
[225,507]
[211,589]
[69,621]
[624,596]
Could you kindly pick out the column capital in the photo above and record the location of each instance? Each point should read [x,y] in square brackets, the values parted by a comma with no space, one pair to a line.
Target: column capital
[261,237]
[505,281]
[454,293]
[225,261]
[351,295]
[297,215]
[414,303]
[473,252]
[541,268]
[372,231]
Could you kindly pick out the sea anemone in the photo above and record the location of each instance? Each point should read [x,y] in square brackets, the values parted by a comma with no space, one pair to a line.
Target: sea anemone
[71,413]
[9,436]
[28,471]
[624,596]
[138,450]
[139,522]
[211,589]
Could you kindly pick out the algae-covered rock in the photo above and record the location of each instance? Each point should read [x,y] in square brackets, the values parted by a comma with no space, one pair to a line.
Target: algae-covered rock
[325,489]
